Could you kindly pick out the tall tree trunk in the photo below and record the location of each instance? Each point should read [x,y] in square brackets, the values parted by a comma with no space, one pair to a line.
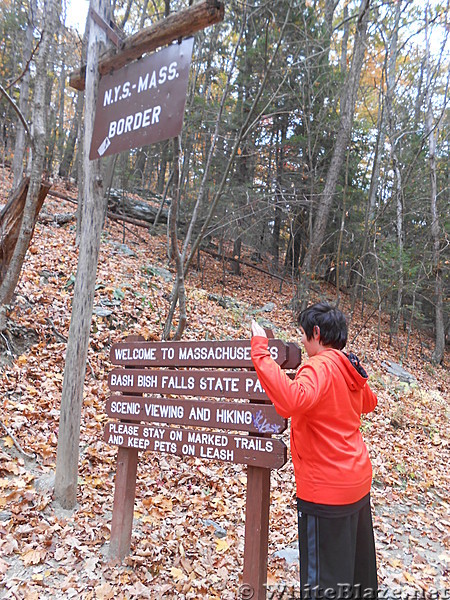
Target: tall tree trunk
[19,148]
[360,265]
[39,136]
[432,132]
[51,112]
[126,14]
[395,159]
[94,209]
[339,152]
[279,162]
[174,246]
[78,166]
[344,43]
[143,14]
[69,149]
[61,137]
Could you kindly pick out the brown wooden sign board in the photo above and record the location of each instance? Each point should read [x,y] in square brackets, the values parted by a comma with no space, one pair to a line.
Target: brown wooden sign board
[143,102]
[165,419]
[253,418]
[216,384]
[224,354]
[262,452]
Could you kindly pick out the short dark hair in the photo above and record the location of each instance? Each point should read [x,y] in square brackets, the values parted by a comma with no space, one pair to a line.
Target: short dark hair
[331,322]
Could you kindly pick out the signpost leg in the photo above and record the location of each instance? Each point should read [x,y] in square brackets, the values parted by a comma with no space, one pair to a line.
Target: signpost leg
[257,530]
[123,507]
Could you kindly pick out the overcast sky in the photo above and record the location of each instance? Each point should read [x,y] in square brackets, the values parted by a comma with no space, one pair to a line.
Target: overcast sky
[76,14]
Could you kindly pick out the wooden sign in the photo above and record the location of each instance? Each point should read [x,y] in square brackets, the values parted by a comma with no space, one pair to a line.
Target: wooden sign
[219,384]
[241,449]
[143,102]
[158,424]
[224,354]
[253,418]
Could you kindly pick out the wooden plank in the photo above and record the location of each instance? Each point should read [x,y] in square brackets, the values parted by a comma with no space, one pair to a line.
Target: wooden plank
[183,23]
[216,384]
[124,496]
[253,418]
[123,507]
[225,354]
[294,356]
[238,449]
[256,533]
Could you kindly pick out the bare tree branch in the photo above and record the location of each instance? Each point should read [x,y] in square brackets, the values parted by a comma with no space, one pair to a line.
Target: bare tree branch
[20,115]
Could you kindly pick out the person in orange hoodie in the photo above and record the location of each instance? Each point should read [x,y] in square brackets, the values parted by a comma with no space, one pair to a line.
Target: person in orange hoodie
[333,472]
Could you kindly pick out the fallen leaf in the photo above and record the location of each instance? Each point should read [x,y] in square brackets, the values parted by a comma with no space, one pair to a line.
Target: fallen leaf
[222,545]
[33,557]
[177,574]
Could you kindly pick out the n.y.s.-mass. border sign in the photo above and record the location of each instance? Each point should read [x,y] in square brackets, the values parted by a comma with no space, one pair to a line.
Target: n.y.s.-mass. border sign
[143,102]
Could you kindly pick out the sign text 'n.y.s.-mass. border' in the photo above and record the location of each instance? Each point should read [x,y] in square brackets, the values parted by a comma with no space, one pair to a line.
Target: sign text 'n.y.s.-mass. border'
[143,102]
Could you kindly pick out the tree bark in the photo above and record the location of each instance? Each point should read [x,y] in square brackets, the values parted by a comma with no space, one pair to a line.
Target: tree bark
[432,133]
[39,134]
[94,208]
[176,254]
[69,150]
[11,219]
[19,147]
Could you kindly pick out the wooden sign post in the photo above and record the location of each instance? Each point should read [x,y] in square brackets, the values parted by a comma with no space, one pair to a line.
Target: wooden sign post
[195,426]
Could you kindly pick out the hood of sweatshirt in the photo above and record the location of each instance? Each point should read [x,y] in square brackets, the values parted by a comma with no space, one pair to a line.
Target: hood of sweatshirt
[350,367]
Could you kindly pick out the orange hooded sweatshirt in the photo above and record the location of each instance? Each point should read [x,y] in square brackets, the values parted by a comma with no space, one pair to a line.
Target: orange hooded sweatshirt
[324,401]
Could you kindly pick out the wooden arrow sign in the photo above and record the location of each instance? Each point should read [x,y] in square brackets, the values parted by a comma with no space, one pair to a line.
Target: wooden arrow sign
[242,416]
[225,354]
[216,384]
[239,449]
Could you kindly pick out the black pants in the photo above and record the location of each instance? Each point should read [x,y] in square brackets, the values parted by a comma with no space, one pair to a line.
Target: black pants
[337,556]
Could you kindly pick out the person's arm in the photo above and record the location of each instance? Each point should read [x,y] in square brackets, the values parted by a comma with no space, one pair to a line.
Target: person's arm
[289,396]
[369,400]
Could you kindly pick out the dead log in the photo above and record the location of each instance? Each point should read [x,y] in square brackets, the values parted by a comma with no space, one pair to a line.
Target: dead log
[140,210]
[183,23]
[122,207]
[58,219]
[11,220]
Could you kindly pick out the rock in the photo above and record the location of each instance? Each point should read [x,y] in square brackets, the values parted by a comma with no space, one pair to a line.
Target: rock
[224,301]
[45,483]
[289,554]
[124,249]
[218,530]
[160,272]
[269,307]
[398,371]
[101,311]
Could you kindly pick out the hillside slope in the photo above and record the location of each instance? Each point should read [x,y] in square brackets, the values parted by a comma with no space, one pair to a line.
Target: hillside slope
[182,504]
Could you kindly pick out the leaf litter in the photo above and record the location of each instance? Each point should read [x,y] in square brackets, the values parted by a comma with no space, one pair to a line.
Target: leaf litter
[181,503]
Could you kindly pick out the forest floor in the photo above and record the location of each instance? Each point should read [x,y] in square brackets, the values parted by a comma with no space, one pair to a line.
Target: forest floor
[188,530]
